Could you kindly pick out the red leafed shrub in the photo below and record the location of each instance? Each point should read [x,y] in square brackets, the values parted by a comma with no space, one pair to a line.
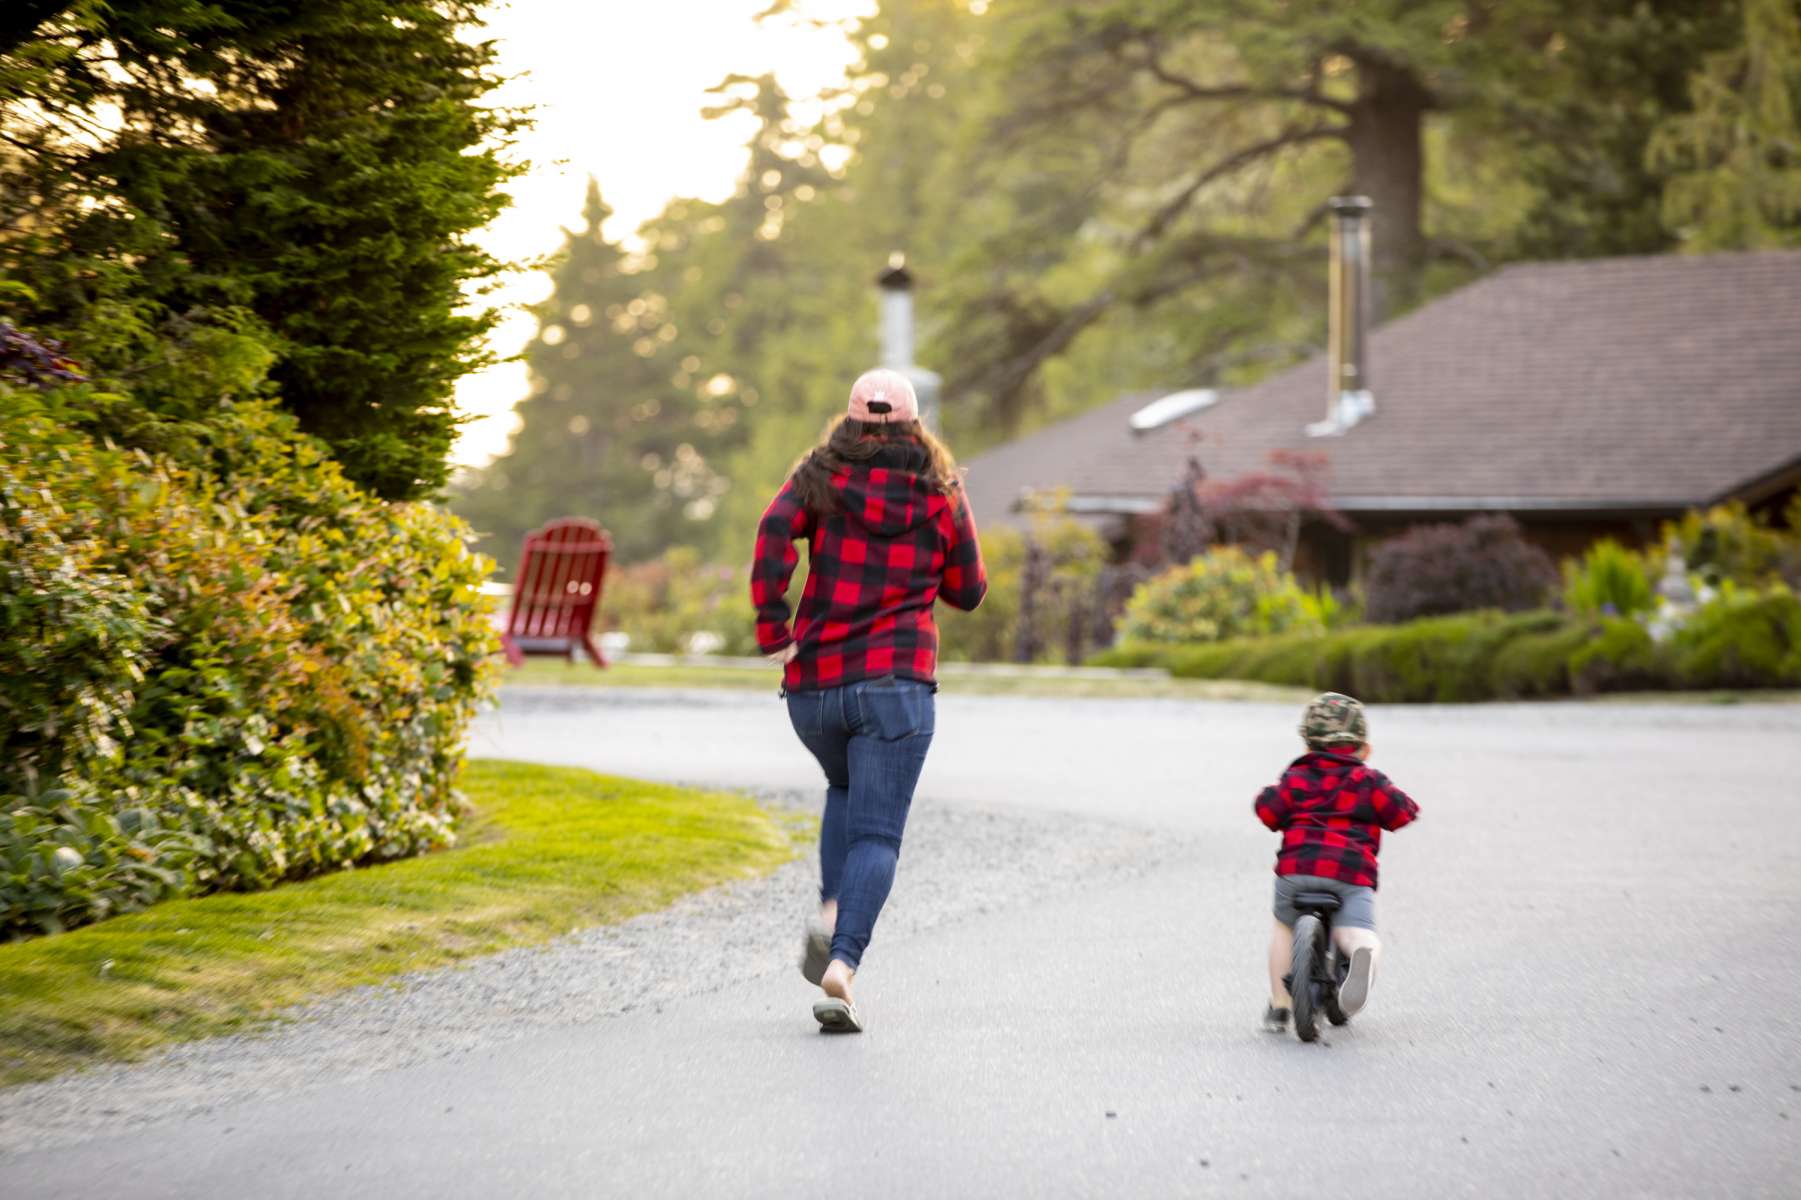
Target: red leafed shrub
[1438,569]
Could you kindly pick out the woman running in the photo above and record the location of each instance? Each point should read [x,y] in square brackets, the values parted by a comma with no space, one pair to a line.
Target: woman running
[888,531]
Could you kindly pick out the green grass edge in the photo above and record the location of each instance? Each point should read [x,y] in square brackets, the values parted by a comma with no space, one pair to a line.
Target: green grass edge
[546,851]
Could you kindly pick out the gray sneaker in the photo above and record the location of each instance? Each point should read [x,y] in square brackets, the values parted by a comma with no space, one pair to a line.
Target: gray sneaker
[1275,1019]
[816,952]
[1354,992]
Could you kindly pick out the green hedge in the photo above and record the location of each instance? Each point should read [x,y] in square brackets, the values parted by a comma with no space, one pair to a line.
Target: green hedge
[222,665]
[1751,641]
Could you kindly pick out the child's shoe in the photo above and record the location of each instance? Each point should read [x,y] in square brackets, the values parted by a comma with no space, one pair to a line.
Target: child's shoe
[1275,1019]
[1354,992]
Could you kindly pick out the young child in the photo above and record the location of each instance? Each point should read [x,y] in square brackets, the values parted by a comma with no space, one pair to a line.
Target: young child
[1331,810]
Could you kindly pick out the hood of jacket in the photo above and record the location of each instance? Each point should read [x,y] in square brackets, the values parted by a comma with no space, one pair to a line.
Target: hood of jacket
[889,495]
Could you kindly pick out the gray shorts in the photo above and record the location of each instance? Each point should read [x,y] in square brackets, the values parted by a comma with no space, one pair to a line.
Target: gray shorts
[1356,905]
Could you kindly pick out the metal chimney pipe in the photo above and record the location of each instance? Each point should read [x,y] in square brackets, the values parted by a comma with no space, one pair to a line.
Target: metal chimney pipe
[1350,303]
[896,284]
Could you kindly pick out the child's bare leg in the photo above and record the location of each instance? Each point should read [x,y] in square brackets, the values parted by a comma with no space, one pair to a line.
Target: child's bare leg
[1350,940]
[1281,954]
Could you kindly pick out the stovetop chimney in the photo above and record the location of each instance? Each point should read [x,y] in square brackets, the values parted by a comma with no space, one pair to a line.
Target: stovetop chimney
[1348,396]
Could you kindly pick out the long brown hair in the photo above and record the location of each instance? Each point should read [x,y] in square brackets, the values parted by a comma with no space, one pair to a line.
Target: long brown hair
[851,443]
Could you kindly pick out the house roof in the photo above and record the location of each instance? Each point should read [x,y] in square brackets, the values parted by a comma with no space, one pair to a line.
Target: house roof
[1634,384]
[1049,458]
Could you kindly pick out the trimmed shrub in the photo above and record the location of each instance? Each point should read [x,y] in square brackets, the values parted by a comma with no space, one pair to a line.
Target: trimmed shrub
[1742,640]
[1610,580]
[222,665]
[1133,656]
[1442,660]
[1537,664]
[1436,570]
[1621,657]
[1222,594]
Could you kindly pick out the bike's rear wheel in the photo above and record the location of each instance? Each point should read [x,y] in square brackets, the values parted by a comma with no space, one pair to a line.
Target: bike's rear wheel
[1307,937]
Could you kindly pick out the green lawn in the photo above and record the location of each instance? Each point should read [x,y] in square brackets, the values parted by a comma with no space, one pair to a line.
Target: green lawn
[549,850]
[1025,681]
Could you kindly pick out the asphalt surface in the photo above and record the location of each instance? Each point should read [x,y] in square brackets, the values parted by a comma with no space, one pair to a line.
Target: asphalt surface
[1593,958]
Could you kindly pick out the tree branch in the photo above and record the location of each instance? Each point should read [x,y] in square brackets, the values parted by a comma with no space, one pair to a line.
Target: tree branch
[1192,91]
[1249,154]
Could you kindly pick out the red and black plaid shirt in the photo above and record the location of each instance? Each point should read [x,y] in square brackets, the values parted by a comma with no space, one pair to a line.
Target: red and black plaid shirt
[1331,810]
[873,570]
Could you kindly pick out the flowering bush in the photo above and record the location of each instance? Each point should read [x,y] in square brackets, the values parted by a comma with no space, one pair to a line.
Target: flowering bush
[222,665]
[1434,570]
[1224,593]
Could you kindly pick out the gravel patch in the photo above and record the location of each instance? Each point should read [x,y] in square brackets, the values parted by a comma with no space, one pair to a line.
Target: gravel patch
[959,863]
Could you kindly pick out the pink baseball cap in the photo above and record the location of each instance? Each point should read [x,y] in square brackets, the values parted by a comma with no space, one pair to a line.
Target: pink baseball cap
[883,396]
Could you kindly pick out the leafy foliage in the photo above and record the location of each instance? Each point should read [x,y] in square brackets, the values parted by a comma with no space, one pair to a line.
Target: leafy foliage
[1438,569]
[222,665]
[1096,196]
[624,420]
[555,849]
[1609,580]
[1261,510]
[1049,596]
[1729,543]
[1047,600]
[1750,641]
[1616,71]
[1222,594]
[664,604]
[305,175]
[1742,638]
[1734,163]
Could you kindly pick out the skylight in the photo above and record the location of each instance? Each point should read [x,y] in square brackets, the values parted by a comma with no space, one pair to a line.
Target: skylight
[1174,406]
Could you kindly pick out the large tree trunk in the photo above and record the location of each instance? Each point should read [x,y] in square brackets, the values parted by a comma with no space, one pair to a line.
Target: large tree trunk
[1387,165]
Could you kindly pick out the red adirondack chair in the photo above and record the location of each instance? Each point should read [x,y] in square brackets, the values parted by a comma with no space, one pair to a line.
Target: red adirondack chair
[557,589]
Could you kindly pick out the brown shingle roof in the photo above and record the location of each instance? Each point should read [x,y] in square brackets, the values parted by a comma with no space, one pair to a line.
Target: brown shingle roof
[1614,384]
[1047,459]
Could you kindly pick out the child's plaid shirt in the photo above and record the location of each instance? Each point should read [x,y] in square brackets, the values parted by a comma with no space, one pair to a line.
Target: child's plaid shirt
[1331,810]
[873,570]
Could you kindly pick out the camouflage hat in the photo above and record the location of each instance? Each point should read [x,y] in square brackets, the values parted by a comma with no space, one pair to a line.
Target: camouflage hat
[1334,720]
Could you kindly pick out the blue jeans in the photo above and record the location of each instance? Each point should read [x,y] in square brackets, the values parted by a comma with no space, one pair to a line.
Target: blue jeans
[871,740]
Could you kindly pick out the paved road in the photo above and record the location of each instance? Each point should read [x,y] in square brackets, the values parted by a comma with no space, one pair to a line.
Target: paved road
[1590,989]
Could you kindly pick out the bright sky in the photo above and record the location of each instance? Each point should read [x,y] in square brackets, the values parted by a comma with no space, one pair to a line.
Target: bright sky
[617,87]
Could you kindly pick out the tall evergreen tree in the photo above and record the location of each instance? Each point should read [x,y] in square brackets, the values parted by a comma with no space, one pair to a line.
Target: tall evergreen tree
[1734,162]
[600,434]
[1620,69]
[647,365]
[306,173]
